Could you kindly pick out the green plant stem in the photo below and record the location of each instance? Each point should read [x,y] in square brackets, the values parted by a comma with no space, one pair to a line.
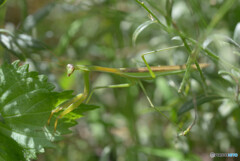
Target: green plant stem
[165,28]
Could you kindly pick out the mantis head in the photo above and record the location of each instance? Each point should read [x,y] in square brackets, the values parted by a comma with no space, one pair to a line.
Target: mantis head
[70,69]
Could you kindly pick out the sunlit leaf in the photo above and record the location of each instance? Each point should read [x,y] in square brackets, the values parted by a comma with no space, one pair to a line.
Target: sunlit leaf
[177,38]
[25,105]
[12,148]
[11,45]
[235,73]
[20,44]
[207,42]
[227,39]
[105,154]
[219,37]
[236,34]
[29,43]
[140,29]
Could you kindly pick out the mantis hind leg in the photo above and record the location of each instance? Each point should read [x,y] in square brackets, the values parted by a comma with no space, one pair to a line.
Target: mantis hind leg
[125,85]
[152,106]
[155,51]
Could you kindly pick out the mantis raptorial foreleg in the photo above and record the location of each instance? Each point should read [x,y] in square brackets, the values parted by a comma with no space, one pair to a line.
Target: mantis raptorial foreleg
[73,103]
[80,98]
[64,106]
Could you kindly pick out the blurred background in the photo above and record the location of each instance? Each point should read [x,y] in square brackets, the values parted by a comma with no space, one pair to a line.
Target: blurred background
[50,34]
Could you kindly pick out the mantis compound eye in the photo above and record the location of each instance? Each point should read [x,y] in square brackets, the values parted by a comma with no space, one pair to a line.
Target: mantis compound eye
[70,69]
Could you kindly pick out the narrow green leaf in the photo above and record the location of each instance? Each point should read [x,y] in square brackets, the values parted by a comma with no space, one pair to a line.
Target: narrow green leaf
[32,20]
[164,153]
[140,29]
[154,16]
[219,14]
[199,101]
[168,153]
[105,155]
[223,72]
[231,41]
[236,34]
[65,39]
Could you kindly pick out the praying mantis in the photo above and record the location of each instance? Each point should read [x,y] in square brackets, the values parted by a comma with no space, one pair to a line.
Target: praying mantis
[135,75]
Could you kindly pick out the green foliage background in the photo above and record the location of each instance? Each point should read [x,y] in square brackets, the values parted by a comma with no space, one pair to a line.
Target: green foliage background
[50,34]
